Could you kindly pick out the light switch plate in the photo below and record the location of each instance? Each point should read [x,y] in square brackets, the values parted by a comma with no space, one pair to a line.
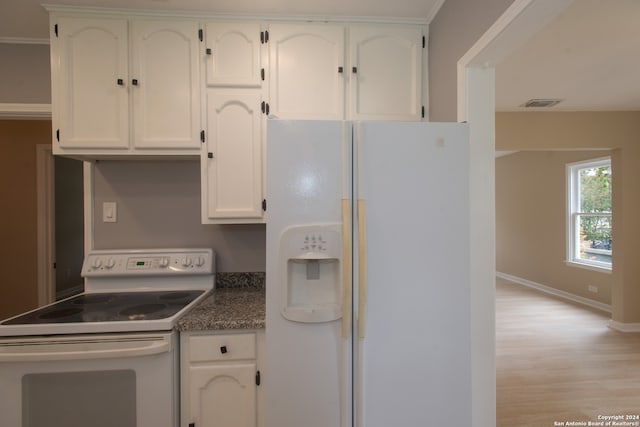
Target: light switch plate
[109,212]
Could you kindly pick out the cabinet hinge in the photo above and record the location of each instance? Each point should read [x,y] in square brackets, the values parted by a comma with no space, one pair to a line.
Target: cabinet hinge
[202,136]
[265,108]
[257,377]
[55,29]
[424,42]
[58,135]
[264,37]
[423,111]
[200,34]
[262,73]
[264,205]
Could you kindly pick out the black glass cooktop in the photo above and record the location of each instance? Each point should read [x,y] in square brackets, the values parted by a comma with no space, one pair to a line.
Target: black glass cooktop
[110,307]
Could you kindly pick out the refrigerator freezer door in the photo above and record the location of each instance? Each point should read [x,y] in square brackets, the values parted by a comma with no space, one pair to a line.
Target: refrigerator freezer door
[413,351]
[307,375]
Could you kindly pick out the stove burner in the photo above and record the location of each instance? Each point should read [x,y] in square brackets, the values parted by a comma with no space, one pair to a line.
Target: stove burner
[174,295]
[62,312]
[139,311]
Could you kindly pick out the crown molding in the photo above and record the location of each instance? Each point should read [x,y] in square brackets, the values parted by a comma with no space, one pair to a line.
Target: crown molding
[205,15]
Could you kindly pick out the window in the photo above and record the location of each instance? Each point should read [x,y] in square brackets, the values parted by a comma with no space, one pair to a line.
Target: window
[589,238]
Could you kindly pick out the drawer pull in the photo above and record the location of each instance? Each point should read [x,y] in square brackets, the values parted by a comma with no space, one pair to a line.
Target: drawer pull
[223,349]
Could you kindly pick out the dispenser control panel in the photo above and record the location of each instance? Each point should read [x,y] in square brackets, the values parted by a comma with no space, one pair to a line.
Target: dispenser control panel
[314,242]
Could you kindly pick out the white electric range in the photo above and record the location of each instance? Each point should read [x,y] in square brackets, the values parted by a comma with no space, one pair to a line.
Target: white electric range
[108,356]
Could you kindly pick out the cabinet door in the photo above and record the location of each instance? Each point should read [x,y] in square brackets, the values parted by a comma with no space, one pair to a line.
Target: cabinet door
[232,161]
[233,54]
[165,87]
[385,72]
[223,395]
[307,71]
[90,108]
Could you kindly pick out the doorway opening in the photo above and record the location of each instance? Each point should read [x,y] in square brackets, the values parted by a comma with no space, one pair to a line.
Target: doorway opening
[60,194]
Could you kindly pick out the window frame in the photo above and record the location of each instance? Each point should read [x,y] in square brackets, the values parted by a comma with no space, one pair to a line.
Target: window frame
[573,214]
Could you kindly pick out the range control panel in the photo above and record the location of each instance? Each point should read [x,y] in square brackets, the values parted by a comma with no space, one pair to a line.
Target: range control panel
[159,262]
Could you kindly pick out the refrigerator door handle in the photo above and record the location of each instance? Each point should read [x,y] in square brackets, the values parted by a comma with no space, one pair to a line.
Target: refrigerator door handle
[362,269]
[346,268]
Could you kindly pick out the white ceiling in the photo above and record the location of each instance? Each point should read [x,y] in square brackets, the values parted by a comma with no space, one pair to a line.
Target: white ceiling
[589,56]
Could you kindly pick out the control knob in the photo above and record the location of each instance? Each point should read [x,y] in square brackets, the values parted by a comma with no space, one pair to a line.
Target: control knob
[186,262]
[96,263]
[110,263]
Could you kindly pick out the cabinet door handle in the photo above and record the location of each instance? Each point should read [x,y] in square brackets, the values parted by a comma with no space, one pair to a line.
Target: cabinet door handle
[208,51]
[210,155]
[340,70]
[354,70]
[134,82]
[120,82]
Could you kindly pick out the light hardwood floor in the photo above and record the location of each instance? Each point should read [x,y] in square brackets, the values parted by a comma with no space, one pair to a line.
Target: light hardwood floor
[559,362]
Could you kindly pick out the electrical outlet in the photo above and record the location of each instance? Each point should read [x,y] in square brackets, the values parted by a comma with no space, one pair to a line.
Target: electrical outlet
[593,289]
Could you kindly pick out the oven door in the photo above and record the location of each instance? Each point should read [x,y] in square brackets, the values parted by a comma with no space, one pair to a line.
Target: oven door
[124,380]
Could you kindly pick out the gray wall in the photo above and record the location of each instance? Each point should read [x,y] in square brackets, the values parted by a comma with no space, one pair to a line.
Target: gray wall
[456,27]
[158,205]
[25,76]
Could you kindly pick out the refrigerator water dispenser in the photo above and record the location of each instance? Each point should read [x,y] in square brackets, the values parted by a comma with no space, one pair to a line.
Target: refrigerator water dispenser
[310,260]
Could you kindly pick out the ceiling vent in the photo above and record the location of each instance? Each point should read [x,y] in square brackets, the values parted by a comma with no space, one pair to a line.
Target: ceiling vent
[539,103]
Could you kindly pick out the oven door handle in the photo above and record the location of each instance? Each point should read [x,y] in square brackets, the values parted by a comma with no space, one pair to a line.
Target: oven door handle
[84,349]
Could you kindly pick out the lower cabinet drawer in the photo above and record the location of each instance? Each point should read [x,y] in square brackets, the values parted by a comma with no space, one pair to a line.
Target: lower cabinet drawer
[213,348]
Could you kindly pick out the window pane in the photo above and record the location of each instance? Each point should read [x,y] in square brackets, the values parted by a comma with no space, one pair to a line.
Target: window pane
[595,241]
[595,189]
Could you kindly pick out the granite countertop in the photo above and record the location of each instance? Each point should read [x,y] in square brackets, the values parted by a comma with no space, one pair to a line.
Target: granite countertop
[234,304]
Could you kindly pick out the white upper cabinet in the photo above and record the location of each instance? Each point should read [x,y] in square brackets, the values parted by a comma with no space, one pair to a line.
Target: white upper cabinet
[385,72]
[233,54]
[165,86]
[307,70]
[89,71]
[149,85]
[125,86]
[379,78]
[232,161]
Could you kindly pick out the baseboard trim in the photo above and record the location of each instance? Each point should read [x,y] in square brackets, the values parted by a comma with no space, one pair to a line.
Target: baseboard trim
[624,327]
[556,292]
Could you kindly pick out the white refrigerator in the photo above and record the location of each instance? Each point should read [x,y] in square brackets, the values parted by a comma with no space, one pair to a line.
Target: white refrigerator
[367,274]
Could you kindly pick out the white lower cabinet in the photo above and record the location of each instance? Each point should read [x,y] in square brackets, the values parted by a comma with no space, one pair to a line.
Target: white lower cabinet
[220,379]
